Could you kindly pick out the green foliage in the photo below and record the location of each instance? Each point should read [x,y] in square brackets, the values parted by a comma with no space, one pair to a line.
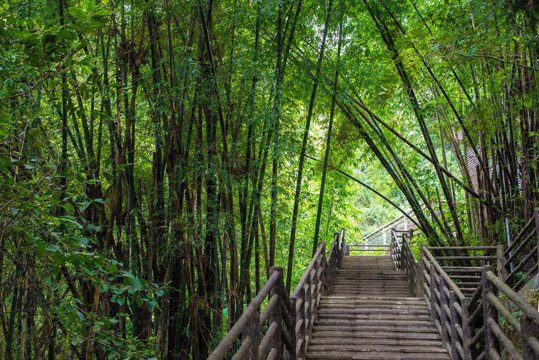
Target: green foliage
[126,232]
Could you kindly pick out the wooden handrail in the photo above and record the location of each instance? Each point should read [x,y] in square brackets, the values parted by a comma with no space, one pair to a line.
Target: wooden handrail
[319,252]
[522,254]
[316,281]
[525,230]
[287,321]
[471,328]
[442,273]
[404,260]
[462,248]
[496,341]
[447,305]
[250,312]
[518,300]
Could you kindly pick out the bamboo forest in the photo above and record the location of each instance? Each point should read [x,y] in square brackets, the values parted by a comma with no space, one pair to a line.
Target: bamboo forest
[160,159]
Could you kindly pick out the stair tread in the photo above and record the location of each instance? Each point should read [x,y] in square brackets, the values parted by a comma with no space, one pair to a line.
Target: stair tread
[371,314]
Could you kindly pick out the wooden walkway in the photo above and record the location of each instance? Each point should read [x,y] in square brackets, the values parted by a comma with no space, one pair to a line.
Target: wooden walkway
[458,303]
[371,314]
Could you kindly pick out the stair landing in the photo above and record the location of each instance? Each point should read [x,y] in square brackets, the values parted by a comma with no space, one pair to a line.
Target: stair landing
[371,314]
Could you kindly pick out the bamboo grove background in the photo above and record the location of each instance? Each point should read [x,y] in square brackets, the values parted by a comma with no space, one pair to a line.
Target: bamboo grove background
[157,157]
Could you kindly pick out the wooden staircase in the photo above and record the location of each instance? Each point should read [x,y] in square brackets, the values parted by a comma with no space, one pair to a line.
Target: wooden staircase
[360,307]
[371,314]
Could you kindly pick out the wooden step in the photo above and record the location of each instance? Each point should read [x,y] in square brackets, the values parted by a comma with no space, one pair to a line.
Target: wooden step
[399,310]
[372,315]
[381,353]
[383,333]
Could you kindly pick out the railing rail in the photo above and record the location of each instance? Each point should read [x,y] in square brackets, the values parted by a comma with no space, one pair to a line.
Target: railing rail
[316,281]
[335,258]
[307,296]
[404,259]
[481,326]
[500,321]
[395,251]
[283,329]
[276,320]
[446,303]
[388,226]
[521,257]
[463,264]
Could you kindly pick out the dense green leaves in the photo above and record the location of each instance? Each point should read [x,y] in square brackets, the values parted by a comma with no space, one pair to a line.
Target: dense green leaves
[149,159]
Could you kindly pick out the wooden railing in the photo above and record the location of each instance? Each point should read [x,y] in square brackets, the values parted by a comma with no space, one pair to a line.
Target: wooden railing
[500,322]
[336,254]
[404,259]
[316,281]
[446,303]
[463,264]
[307,296]
[403,221]
[283,329]
[521,257]
[395,251]
[277,321]
[481,326]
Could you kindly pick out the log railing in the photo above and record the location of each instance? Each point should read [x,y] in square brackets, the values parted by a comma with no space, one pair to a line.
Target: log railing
[316,281]
[307,296]
[463,264]
[446,303]
[395,251]
[484,325]
[521,257]
[283,328]
[335,258]
[404,259]
[500,323]
[276,322]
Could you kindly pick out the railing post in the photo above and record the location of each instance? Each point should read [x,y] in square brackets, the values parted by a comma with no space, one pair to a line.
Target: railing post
[418,281]
[308,306]
[276,313]
[300,324]
[489,312]
[422,268]
[454,322]
[344,250]
[252,330]
[466,332]
[315,285]
[500,263]
[527,326]
[433,298]
[323,278]
[529,329]
[292,354]
[537,232]
[444,301]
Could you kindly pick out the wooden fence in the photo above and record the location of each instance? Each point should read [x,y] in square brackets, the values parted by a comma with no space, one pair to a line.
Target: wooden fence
[446,302]
[464,264]
[493,323]
[283,328]
[277,321]
[521,256]
[404,258]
